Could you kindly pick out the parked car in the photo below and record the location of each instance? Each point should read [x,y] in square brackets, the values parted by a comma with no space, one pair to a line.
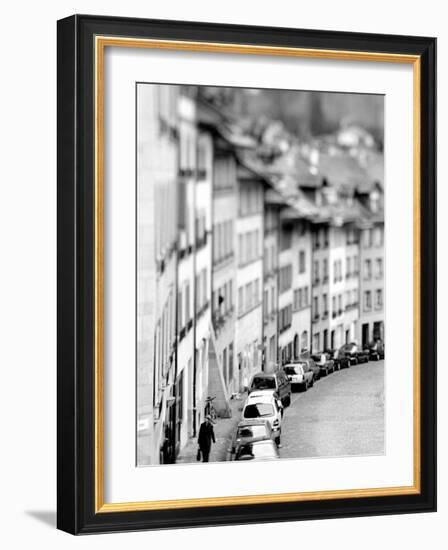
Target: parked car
[324,362]
[312,365]
[353,354]
[265,405]
[257,450]
[277,381]
[376,350]
[249,431]
[340,360]
[300,375]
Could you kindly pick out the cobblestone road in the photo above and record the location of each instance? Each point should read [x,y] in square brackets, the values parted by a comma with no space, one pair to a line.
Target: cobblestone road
[342,415]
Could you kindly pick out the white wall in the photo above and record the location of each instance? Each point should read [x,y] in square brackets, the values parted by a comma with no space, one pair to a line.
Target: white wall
[28,274]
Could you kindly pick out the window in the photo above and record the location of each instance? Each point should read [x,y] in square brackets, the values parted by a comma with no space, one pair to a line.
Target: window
[302,261]
[379,268]
[297,298]
[378,299]
[315,307]
[325,303]
[240,300]
[348,268]
[285,238]
[241,249]
[285,278]
[367,300]
[248,291]
[224,175]
[249,248]
[367,238]
[367,269]
[378,236]
[315,272]
[325,275]
[256,297]
[305,297]
[285,318]
[316,342]
[333,306]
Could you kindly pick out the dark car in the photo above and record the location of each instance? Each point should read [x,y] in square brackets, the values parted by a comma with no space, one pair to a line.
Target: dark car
[324,362]
[249,431]
[376,350]
[341,361]
[265,449]
[354,354]
[277,381]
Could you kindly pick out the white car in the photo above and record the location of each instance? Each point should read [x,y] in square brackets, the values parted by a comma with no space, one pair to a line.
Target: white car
[300,374]
[266,405]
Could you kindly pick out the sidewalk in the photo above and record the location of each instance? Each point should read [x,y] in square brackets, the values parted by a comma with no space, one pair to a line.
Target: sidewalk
[223,428]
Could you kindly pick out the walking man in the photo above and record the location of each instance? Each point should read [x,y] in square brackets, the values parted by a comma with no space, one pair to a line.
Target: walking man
[205,438]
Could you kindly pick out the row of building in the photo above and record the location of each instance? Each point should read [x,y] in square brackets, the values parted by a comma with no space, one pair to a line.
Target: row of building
[249,254]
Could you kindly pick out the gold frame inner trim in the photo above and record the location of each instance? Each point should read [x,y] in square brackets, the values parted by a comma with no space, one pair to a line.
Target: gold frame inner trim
[101,42]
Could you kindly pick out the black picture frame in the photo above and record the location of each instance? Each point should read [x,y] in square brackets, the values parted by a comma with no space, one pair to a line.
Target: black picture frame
[76,286]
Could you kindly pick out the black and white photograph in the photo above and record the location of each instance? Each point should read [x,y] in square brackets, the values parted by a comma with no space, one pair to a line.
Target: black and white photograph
[260,274]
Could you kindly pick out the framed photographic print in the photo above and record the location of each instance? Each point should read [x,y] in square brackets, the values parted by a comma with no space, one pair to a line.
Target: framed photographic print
[246,274]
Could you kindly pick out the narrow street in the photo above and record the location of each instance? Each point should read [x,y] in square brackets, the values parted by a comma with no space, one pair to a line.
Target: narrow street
[342,415]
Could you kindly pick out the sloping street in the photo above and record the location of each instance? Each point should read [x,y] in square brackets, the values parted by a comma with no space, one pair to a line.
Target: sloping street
[342,415]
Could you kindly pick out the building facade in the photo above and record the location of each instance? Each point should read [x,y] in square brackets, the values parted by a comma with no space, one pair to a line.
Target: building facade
[156,276]
[249,228]
[270,282]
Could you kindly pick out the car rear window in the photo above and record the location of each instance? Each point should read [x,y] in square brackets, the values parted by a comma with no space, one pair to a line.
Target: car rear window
[250,452]
[252,431]
[293,369]
[258,410]
[263,383]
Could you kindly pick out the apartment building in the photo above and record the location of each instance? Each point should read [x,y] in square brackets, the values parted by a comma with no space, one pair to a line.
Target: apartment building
[249,228]
[225,200]
[156,275]
[273,205]
[372,284]
[193,270]
[351,295]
